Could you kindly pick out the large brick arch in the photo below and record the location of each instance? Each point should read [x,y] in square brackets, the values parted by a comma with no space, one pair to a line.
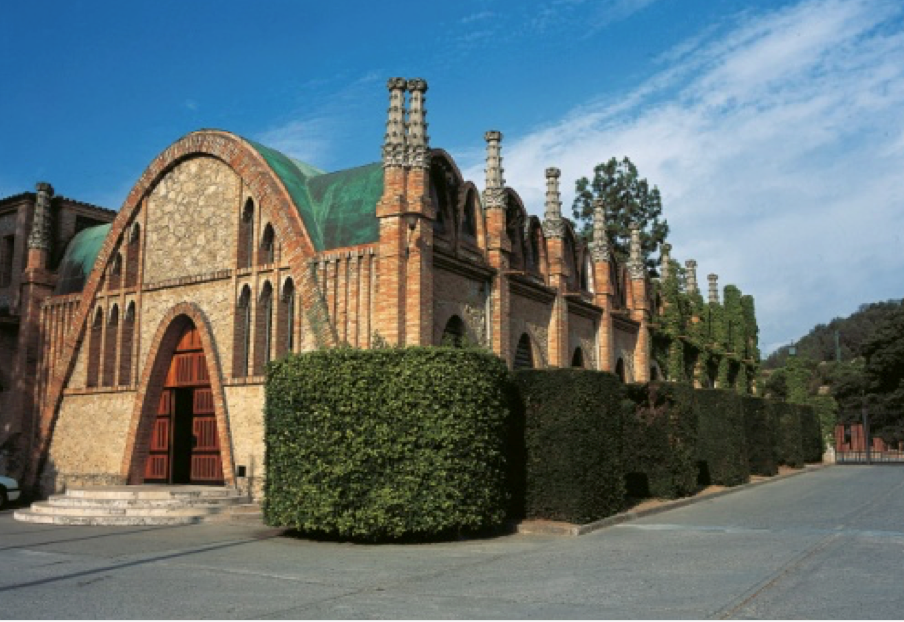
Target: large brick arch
[257,175]
[151,384]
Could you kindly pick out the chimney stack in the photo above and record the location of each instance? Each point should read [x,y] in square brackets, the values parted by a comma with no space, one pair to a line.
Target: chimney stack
[494,193]
[395,141]
[599,246]
[691,266]
[553,225]
[713,288]
[418,141]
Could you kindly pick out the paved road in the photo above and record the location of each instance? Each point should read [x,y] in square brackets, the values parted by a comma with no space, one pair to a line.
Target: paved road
[825,544]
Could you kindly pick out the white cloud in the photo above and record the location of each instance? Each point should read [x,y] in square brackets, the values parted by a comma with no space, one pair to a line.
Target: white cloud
[307,140]
[779,149]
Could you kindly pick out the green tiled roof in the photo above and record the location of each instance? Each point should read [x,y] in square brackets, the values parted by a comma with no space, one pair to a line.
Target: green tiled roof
[77,262]
[338,209]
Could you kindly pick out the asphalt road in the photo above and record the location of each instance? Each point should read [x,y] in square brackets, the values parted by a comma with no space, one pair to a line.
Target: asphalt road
[824,544]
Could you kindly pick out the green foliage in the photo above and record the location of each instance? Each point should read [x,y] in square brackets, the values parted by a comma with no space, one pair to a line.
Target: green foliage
[660,441]
[811,437]
[628,199]
[386,443]
[573,420]
[827,413]
[721,443]
[759,432]
[853,333]
[788,448]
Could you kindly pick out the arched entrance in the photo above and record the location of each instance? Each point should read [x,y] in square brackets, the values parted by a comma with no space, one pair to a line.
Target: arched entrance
[185,444]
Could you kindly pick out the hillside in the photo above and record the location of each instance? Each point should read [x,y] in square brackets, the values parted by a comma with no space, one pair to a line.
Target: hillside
[819,343]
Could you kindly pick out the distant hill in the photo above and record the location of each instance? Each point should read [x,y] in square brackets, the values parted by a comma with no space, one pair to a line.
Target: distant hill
[819,343]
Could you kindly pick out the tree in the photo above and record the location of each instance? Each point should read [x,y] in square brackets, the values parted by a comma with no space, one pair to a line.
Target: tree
[629,199]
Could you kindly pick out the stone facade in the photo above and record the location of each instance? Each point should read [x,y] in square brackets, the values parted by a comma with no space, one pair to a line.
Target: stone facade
[214,236]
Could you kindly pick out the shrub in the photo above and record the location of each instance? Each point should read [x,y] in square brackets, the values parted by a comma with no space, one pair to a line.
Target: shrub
[788,449]
[721,445]
[660,446]
[760,434]
[386,443]
[811,437]
[573,420]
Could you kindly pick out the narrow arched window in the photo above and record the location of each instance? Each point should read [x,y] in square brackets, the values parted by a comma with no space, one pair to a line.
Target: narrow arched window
[577,359]
[246,236]
[115,278]
[620,370]
[267,253]
[132,251]
[109,364]
[469,223]
[285,327]
[125,348]
[524,356]
[454,333]
[242,334]
[94,342]
[263,327]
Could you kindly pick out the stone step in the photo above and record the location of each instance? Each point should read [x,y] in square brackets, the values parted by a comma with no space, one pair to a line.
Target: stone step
[42,507]
[110,521]
[137,505]
[199,502]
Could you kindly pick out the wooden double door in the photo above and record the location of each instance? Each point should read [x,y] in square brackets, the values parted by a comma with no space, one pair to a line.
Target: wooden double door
[185,443]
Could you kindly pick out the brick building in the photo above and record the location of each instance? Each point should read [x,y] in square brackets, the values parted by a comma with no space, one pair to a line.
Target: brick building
[227,254]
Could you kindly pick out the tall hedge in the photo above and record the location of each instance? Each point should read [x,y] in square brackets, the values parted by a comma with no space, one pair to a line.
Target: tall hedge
[660,446]
[386,443]
[721,444]
[573,421]
[810,434]
[760,433]
[788,448]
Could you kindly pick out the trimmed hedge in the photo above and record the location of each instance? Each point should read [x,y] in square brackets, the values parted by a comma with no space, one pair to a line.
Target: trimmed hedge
[721,445]
[788,448]
[810,434]
[386,443]
[660,447]
[760,434]
[573,419]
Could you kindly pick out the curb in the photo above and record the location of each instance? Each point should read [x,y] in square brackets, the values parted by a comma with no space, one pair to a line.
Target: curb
[555,528]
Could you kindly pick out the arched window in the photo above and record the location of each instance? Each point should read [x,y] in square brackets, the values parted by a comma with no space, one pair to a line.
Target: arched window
[285,321]
[125,348]
[109,367]
[114,280]
[620,369]
[577,359]
[241,344]
[267,253]
[263,326]
[454,333]
[524,356]
[132,251]
[469,222]
[94,343]
[246,236]
[654,373]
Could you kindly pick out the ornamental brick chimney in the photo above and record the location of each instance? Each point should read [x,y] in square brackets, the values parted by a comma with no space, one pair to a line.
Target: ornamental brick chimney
[691,266]
[713,288]
[499,246]
[39,238]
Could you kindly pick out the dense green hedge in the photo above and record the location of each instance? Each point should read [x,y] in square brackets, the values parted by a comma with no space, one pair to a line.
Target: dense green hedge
[810,434]
[760,434]
[788,447]
[660,446]
[721,444]
[386,443]
[573,420]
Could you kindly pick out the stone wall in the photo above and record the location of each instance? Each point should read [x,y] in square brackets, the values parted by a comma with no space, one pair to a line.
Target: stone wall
[459,295]
[533,317]
[191,220]
[89,440]
[582,334]
[246,421]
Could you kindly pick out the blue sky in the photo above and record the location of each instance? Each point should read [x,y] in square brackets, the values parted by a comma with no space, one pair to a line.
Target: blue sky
[775,130]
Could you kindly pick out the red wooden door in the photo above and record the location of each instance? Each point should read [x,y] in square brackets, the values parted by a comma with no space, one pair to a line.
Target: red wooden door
[185,443]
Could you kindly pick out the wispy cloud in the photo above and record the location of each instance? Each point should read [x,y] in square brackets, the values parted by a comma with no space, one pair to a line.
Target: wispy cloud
[779,149]
[308,140]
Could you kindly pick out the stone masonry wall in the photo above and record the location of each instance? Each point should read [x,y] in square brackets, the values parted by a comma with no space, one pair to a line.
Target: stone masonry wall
[190,221]
[582,334]
[532,317]
[89,440]
[455,294]
[246,420]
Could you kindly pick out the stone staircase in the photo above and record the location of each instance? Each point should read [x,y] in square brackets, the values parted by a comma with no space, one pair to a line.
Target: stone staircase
[142,505]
